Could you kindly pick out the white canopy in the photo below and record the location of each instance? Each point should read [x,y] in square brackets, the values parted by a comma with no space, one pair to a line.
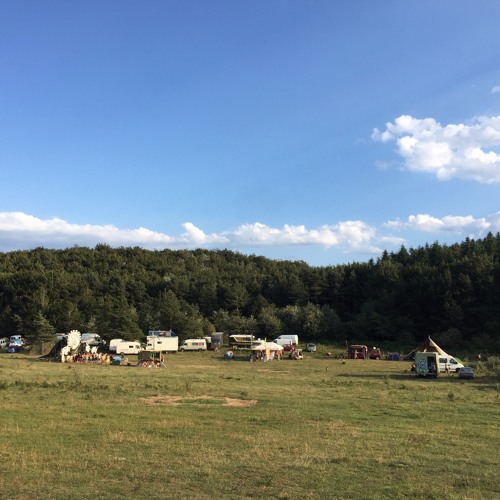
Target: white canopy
[272,346]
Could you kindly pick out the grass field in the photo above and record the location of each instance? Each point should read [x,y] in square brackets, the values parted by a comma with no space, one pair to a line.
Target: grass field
[206,427]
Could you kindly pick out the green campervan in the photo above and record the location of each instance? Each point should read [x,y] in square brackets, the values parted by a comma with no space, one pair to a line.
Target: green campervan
[427,364]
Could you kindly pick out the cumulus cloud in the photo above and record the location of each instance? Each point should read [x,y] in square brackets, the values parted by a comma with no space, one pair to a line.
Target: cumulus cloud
[19,231]
[22,231]
[455,224]
[450,151]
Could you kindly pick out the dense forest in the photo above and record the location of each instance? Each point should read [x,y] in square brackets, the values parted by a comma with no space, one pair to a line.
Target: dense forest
[449,292]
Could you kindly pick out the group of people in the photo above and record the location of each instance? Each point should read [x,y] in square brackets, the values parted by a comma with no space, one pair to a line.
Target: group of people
[262,356]
[151,363]
[95,358]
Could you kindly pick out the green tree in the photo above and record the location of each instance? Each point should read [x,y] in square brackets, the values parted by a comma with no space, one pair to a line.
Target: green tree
[44,331]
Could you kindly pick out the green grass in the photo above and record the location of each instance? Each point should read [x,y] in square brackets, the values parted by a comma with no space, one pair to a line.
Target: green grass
[205,427]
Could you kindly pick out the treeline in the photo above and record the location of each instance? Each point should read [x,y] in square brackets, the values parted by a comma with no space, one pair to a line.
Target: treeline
[449,292]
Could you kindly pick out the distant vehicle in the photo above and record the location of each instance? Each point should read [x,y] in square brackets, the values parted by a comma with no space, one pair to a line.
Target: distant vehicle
[4,342]
[311,348]
[466,372]
[156,343]
[128,347]
[16,343]
[427,364]
[216,341]
[240,341]
[91,339]
[449,362]
[357,352]
[293,338]
[113,343]
[375,353]
[287,344]
[161,333]
[193,345]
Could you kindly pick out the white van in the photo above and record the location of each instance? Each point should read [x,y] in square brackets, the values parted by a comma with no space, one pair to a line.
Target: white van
[287,344]
[293,338]
[453,364]
[128,347]
[193,345]
[4,342]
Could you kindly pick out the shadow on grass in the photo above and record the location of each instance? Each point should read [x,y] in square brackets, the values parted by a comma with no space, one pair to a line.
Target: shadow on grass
[480,383]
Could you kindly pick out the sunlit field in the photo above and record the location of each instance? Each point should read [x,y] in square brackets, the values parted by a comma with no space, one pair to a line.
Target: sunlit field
[208,427]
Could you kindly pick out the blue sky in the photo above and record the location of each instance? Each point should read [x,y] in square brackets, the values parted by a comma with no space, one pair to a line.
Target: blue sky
[322,131]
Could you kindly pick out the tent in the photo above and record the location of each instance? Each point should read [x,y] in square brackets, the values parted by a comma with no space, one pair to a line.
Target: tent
[264,346]
[393,356]
[269,348]
[428,346]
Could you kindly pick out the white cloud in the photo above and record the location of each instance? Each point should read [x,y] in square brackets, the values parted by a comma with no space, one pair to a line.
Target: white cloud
[22,231]
[451,151]
[459,225]
[495,89]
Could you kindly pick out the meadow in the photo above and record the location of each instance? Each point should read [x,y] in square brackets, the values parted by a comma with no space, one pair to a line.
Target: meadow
[206,427]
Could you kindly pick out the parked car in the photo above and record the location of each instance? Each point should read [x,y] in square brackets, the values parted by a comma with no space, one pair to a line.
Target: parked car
[311,347]
[375,353]
[4,342]
[466,372]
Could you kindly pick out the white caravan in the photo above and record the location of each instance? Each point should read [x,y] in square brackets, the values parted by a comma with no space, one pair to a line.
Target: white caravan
[128,347]
[162,344]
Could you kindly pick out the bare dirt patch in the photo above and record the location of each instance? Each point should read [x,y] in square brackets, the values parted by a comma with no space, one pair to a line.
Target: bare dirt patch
[200,400]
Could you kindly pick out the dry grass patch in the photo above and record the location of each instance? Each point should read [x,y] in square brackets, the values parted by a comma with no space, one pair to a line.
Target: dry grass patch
[200,400]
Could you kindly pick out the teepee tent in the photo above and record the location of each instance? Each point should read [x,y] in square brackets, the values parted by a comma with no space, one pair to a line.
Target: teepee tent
[428,346]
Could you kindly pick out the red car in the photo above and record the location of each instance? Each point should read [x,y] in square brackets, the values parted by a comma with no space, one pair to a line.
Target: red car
[375,353]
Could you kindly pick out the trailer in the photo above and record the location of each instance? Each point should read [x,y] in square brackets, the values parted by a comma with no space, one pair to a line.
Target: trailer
[427,364]
[357,352]
[216,341]
[155,343]
[240,341]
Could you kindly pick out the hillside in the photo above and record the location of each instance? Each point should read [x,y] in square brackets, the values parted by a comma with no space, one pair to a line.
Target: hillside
[449,292]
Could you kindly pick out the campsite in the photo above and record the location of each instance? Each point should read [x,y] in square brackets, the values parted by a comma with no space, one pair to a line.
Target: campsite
[210,427]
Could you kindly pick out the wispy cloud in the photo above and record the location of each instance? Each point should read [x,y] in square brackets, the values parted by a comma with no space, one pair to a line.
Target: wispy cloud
[451,151]
[495,89]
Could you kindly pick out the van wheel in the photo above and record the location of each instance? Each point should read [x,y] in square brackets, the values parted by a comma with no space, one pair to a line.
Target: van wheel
[122,354]
[200,350]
